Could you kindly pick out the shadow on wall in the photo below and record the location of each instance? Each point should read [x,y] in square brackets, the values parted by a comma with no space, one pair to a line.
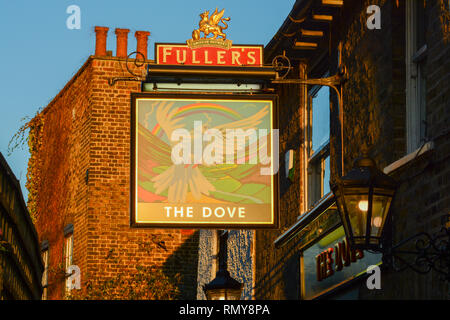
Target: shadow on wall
[281,281]
[185,261]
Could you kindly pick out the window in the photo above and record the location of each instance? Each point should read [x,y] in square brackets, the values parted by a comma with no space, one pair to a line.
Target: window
[416,51]
[318,144]
[45,259]
[68,252]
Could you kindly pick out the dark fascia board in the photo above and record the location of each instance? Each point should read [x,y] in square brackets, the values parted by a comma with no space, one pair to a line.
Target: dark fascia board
[304,220]
[179,80]
[299,11]
[217,72]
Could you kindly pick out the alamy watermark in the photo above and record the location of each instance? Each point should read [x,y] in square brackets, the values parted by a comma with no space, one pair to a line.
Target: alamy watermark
[374,20]
[74,20]
[230,146]
[374,280]
[73,280]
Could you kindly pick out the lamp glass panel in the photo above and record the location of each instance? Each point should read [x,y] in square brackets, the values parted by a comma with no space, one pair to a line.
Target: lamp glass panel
[339,202]
[357,207]
[234,294]
[223,294]
[359,240]
[216,294]
[380,208]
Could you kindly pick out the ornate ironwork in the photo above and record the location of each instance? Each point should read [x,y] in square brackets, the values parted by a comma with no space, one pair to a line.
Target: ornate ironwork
[332,81]
[137,63]
[282,62]
[422,253]
[335,82]
[282,65]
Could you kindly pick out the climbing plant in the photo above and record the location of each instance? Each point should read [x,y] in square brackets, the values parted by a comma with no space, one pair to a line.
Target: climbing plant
[34,127]
[142,283]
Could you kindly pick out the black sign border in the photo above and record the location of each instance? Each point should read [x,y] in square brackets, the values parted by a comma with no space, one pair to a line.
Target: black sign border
[176,95]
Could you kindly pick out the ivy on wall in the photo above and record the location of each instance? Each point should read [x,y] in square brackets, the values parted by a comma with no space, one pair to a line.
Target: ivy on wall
[143,283]
[33,177]
[35,128]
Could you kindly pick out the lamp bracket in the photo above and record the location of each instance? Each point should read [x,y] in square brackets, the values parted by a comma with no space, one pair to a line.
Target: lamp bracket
[282,65]
[427,252]
[334,82]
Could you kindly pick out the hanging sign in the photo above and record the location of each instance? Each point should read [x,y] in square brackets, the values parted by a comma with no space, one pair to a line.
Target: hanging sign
[204,160]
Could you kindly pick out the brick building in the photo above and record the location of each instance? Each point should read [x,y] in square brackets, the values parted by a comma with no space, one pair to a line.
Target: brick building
[79,179]
[395,103]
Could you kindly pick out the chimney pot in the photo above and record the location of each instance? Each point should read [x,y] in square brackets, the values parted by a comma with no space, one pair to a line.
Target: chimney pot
[100,40]
[142,37]
[122,42]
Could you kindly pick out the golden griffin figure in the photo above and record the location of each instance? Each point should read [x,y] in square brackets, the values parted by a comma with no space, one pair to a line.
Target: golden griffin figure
[209,25]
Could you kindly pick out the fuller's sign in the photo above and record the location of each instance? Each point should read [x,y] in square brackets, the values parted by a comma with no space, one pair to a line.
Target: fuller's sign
[204,160]
[211,55]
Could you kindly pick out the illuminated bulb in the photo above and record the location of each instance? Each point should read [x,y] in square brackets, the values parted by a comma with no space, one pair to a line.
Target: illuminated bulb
[376,222]
[363,205]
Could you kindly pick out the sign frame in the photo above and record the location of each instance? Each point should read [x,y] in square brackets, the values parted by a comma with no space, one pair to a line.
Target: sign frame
[233,47]
[201,96]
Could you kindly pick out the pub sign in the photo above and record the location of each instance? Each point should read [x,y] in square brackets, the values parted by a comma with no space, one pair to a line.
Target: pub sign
[204,160]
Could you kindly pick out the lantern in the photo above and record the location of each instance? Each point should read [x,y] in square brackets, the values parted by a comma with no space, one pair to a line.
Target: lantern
[363,198]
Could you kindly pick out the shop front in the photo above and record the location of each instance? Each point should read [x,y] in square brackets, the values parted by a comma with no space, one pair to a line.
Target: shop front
[329,268]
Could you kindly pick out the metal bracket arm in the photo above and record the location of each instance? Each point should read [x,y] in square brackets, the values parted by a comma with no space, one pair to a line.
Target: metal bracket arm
[333,82]
[429,252]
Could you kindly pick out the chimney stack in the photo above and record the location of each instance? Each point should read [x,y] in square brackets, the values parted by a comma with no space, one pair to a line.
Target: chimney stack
[141,37]
[100,40]
[122,42]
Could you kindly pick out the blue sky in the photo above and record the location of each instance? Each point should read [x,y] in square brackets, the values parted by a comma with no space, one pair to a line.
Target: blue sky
[39,54]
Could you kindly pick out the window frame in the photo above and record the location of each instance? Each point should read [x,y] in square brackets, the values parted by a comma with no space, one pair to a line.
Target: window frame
[67,254]
[315,159]
[415,57]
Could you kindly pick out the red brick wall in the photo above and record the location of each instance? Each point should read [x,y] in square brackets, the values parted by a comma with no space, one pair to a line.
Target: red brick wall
[87,127]
[62,159]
